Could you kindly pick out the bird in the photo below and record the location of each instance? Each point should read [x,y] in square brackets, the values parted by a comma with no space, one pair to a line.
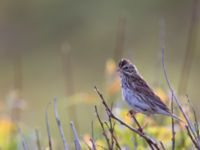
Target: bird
[138,94]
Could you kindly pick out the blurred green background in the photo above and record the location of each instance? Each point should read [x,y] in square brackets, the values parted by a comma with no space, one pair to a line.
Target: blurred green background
[35,37]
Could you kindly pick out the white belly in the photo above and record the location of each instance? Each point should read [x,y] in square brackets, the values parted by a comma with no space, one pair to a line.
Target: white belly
[133,101]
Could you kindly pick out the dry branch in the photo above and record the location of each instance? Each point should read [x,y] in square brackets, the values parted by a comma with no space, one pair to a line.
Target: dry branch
[47,126]
[111,128]
[191,137]
[189,124]
[162,145]
[93,144]
[135,120]
[38,139]
[59,125]
[173,130]
[153,145]
[76,139]
[92,138]
[24,144]
[196,123]
[103,129]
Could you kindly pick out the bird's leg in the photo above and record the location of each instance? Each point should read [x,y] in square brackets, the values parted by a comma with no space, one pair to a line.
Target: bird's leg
[133,114]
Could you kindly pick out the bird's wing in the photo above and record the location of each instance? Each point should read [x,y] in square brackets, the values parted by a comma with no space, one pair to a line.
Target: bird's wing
[142,89]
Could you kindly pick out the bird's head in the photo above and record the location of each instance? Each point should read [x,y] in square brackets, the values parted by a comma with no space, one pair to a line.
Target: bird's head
[125,67]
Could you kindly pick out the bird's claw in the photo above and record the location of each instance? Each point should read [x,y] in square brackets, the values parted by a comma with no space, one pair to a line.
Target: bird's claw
[140,130]
[131,113]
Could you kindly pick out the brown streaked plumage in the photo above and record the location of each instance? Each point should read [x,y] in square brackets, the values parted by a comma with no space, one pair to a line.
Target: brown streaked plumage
[137,93]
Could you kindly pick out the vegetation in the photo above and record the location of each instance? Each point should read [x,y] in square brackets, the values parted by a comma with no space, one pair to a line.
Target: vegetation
[119,130]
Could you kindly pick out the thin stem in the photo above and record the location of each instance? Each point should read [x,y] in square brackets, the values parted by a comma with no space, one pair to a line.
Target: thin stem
[153,145]
[191,137]
[173,130]
[93,144]
[88,146]
[92,138]
[162,145]
[111,128]
[104,131]
[138,124]
[176,99]
[196,124]
[48,127]
[38,139]
[76,139]
[59,125]
[25,145]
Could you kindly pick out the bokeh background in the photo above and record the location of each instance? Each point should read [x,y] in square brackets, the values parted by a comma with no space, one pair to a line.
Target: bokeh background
[61,48]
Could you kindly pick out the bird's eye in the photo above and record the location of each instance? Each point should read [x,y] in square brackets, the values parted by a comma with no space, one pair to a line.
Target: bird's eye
[125,68]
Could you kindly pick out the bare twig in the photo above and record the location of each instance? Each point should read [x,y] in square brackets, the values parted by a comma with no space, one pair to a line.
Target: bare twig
[173,130]
[148,139]
[88,146]
[92,126]
[76,139]
[25,145]
[103,129]
[92,138]
[38,139]
[162,145]
[111,128]
[93,144]
[47,126]
[191,137]
[196,124]
[135,120]
[116,142]
[177,101]
[115,138]
[59,125]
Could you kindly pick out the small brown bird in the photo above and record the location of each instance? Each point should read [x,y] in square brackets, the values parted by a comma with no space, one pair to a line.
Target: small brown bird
[137,93]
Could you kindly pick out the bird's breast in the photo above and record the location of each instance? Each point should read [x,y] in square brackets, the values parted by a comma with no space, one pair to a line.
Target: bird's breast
[128,96]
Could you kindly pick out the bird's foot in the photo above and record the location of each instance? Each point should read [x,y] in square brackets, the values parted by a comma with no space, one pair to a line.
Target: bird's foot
[140,129]
[131,113]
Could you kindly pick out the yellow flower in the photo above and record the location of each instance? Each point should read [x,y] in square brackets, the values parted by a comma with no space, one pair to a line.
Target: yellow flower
[7,128]
[86,139]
